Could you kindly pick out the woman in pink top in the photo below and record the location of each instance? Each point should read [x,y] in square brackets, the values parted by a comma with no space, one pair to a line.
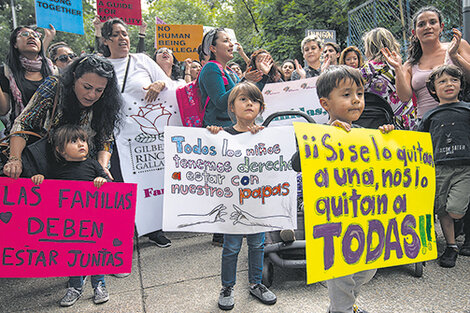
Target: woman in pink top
[426,52]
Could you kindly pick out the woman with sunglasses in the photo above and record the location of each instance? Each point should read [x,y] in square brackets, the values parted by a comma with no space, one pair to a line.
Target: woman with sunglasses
[61,55]
[141,80]
[25,69]
[87,94]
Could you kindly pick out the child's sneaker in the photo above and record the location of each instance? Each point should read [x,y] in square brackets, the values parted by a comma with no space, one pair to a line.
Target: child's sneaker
[449,257]
[160,239]
[264,295]
[70,297]
[226,299]
[101,294]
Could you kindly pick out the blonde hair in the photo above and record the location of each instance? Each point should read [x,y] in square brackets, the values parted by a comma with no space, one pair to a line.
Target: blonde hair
[354,49]
[377,39]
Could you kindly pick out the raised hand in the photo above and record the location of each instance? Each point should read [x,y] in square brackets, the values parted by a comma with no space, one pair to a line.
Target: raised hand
[265,64]
[253,76]
[392,58]
[299,69]
[455,43]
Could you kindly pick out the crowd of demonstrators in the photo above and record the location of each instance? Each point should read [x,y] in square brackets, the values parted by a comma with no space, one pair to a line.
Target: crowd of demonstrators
[351,56]
[139,77]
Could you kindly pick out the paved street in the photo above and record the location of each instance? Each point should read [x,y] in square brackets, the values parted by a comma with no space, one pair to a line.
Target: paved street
[186,278]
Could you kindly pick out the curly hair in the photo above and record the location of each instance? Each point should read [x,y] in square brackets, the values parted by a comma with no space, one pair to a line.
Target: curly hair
[106,110]
[360,59]
[414,49]
[273,72]
[13,59]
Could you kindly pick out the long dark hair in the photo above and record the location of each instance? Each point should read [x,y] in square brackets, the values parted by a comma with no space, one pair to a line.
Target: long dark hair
[13,60]
[414,49]
[106,32]
[274,72]
[106,111]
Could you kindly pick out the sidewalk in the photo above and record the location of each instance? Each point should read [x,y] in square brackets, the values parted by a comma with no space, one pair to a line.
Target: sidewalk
[186,278]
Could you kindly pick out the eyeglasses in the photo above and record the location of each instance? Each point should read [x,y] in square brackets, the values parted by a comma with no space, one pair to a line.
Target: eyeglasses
[164,50]
[27,33]
[65,57]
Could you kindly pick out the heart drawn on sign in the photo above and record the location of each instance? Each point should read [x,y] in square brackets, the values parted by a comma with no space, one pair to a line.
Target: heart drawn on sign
[5,217]
[117,242]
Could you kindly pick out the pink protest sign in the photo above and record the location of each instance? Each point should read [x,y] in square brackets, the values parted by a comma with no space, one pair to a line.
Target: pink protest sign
[127,10]
[65,228]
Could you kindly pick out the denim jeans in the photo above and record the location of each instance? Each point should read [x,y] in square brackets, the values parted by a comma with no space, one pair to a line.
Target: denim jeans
[232,246]
[77,281]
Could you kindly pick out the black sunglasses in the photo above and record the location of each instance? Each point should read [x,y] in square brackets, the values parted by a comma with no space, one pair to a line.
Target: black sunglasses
[98,62]
[65,57]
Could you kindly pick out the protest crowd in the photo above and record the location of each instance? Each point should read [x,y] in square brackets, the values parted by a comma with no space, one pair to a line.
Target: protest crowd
[77,102]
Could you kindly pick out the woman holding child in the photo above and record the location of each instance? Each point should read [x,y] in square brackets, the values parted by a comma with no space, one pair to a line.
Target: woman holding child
[86,95]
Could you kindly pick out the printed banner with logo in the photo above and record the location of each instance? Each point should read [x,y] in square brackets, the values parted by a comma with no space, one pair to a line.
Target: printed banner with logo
[66,15]
[368,199]
[297,95]
[65,228]
[235,184]
[141,152]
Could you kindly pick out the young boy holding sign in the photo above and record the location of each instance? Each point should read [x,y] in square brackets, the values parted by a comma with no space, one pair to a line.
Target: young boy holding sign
[448,125]
[70,144]
[341,93]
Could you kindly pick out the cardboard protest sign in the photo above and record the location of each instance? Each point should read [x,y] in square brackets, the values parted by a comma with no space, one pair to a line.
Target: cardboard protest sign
[65,15]
[325,35]
[141,151]
[297,95]
[65,228]
[127,10]
[236,184]
[183,40]
[368,199]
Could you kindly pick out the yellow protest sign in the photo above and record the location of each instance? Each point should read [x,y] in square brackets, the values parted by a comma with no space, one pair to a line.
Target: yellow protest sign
[368,199]
[183,40]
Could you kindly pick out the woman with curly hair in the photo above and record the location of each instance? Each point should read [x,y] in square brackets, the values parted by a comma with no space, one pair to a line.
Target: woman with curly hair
[351,56]
[87,95]
[26,67]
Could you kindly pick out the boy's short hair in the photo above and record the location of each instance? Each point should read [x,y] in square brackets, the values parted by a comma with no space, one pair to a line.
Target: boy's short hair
[333,75]
[450,70]
[65,134]
[308,39]
[248,89]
